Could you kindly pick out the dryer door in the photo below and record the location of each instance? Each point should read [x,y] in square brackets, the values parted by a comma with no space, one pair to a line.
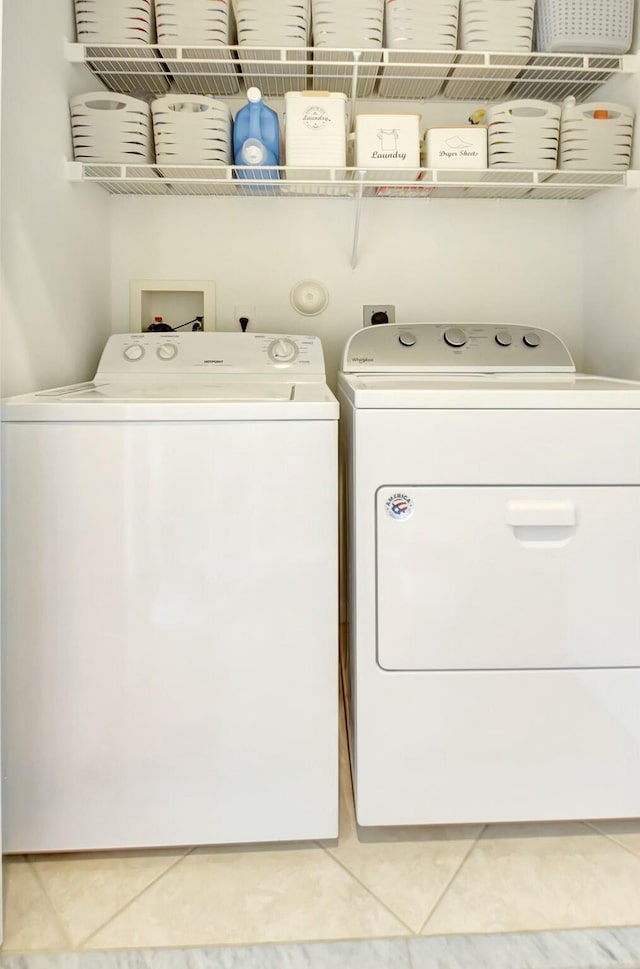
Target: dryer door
[507,577]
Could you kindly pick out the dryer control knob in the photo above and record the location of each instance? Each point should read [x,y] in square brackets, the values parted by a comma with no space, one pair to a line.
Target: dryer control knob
[167,351]
[407,339]
[455,337]
[504,338]
[133,352]
[531,340]
[283,351]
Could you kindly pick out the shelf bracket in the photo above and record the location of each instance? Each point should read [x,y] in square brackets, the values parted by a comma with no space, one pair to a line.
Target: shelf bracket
[74,53]
[357,54]
[356,226]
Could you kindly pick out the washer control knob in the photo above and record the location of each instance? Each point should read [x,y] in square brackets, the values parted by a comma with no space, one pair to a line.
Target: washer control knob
[407,339]
[504,338]
[455,337]
[283,351]
[531,340]
[133,352]
[167,351]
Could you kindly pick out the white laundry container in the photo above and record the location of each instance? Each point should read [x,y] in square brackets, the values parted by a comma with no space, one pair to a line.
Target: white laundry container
[524,134]
[278,24]
[411,28]
[191,130]
[114,21]
[456,146]
[110,128]
[596,137]
[340,27]
[315,124]
[388,142]
[586,26]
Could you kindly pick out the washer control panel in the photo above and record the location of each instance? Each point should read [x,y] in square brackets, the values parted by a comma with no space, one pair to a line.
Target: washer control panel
[242,353]
[455,347]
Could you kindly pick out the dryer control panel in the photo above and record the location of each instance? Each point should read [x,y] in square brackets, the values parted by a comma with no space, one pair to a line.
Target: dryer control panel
[218,352]
[456,347]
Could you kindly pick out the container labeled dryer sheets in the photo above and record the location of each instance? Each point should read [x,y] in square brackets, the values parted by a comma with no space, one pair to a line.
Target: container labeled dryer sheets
[457,146]
[388,141]
[315,133]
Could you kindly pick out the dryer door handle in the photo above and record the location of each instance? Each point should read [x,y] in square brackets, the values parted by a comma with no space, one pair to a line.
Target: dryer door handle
[541,514]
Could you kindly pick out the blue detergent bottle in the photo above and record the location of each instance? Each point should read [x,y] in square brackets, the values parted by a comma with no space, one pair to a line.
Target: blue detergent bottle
[256,137]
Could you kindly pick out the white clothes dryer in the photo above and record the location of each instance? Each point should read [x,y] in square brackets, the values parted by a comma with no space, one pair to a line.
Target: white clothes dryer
[494,577]
[170,600]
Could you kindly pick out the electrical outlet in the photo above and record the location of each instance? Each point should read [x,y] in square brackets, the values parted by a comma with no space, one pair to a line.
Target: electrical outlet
[243,311]
[368,313]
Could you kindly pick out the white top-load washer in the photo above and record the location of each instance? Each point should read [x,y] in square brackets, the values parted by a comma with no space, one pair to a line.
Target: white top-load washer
[494,505]
[170,598]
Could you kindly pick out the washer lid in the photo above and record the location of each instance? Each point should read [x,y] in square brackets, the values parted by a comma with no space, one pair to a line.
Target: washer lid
[160,391]
[490,391]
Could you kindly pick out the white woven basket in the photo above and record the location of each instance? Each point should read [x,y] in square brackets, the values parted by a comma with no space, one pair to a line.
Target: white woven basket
[496,25]
[524,134]
[587,26]
[589,143]
[114,21]
[111,129]
[191,130]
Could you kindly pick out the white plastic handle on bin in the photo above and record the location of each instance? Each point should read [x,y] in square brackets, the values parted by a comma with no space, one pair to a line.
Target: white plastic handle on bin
[541,514]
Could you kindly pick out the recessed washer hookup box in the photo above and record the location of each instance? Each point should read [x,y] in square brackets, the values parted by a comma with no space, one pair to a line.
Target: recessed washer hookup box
[457,146]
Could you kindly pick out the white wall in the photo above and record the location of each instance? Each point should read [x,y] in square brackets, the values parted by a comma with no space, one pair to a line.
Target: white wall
[435,260]
[55,236]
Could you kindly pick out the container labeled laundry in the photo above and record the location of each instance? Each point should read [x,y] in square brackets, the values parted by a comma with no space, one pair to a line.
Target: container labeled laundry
[585,26]
[388,141]
[114,21]
[108,128]
[190,129]
[524,134]
[456,146]
[496,25]
[596,137]
[315,133]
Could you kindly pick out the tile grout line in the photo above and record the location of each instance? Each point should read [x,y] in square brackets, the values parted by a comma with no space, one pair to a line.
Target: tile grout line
[369,892]
[43,889]
[154,881]
[446,888]
[610,837]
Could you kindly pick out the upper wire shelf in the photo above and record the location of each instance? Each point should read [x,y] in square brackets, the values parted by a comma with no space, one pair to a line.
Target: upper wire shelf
[410,75]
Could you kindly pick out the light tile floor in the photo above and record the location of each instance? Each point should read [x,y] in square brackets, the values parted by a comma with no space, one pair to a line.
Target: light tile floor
[381,884]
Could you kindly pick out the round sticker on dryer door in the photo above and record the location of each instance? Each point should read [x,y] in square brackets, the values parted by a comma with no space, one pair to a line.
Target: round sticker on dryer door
[399,506]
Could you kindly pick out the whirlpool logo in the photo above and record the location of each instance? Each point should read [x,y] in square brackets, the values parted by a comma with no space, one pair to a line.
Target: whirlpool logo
[399,506]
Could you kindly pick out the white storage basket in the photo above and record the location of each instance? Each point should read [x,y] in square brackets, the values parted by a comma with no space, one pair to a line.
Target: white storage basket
[496,25]
[524,134]
[596,137]
[189,129]
[277,24]
[586,26]
[194,24]
[114,22]
[416,26]
[338,28]
[111,129]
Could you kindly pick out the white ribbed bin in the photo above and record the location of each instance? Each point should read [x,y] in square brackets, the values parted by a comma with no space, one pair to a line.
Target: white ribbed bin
[194,24]
[585,26]
[189,129]
[496,25]
[596,137]
[356,25]
[114,21]
[109,128]
[277,24]
[491,25]
[413,25]
[524,134]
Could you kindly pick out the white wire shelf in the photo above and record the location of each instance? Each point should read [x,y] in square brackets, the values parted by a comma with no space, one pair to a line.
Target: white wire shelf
[410,75]
[348,183]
